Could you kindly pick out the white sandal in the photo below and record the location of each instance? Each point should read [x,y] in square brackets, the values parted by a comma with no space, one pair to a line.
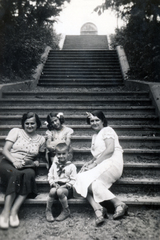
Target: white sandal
[14,221]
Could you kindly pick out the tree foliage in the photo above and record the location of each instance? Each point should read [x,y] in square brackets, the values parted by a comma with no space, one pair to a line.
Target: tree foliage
[26,28]
[140,37]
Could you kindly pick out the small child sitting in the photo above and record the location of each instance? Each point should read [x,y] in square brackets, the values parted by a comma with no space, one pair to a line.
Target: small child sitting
[61,177]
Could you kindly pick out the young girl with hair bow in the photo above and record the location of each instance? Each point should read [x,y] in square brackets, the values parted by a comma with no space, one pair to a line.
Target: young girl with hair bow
[57,132]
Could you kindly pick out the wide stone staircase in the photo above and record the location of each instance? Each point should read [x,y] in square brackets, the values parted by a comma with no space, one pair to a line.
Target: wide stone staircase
[78,81]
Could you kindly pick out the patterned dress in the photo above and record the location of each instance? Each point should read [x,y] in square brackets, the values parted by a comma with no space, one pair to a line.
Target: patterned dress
[21,181]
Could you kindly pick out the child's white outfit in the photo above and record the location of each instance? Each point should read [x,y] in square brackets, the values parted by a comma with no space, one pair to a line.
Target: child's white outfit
[62,174]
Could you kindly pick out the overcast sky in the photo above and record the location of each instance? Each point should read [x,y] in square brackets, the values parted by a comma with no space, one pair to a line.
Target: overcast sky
[78,12]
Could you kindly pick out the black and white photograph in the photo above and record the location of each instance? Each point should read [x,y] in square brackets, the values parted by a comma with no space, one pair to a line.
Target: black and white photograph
[79,119]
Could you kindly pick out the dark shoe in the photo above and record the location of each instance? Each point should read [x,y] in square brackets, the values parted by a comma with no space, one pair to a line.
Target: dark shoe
[49,215]
[104,212]
[101,214]
[64,214]
[14,221]
[120,211]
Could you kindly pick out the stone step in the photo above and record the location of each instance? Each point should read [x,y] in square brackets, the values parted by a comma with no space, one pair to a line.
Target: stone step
[140,169]
[130,185]
[125,141]
[127,165]
[85,53]
[132,155]
[82,52]
[85,130]
[87,57]
[80,62]
[131,170]
[80,120]
[82,72]
[129,110]
[82,77]
[95,102]
[73,84]
[84,68]
[124,185]
[129,182]
[129,199]
[81,94]
[79,81]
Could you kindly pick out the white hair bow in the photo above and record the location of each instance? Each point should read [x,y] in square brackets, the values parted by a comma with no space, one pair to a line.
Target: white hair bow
[60,114]
[89,115]
[46,123]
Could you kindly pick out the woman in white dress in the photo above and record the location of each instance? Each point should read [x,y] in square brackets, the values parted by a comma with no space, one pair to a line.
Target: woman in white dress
[97,176]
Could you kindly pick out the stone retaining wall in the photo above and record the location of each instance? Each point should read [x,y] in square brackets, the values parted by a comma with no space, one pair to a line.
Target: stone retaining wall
[152,87]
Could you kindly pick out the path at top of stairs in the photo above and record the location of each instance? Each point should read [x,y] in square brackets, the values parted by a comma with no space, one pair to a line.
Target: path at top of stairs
[81,42]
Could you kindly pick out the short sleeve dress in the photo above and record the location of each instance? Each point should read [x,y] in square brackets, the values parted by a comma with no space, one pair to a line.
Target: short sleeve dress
[21,181]
[57,137]
[104,174]
[61,135]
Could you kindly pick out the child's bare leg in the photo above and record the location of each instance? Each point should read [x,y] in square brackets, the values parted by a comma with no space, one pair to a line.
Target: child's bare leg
[49,204]
[62,195]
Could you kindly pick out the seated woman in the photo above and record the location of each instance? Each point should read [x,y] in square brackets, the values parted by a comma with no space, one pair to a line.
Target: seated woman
[96,177]
[17,168]
[57,132]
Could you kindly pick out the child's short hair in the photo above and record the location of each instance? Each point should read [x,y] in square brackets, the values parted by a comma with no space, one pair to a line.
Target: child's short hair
[62,146]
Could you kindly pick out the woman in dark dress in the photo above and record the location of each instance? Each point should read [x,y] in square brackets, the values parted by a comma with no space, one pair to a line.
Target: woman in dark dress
[17,168]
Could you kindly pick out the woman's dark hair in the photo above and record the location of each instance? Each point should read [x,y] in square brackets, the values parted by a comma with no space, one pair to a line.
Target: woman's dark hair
[57,115]
[100,115]
[30,115]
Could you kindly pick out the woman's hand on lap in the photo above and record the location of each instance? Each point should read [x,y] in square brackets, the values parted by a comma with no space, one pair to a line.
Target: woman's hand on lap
[36,163]
[18,164]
